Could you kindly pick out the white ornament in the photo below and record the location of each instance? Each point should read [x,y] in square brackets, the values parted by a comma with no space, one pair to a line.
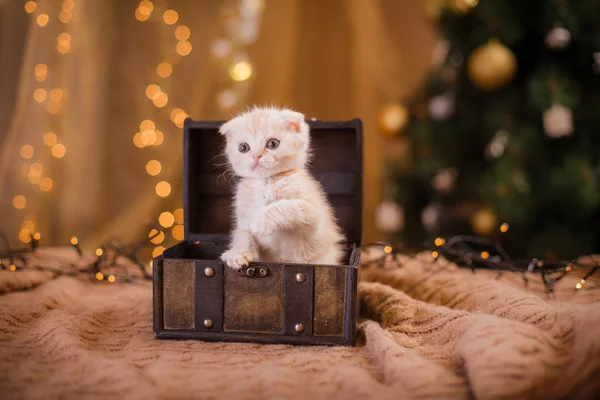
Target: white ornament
[430,217]
[226,99]
[497,145]
[221,48]
[558,121]
[251,8]
[444,180]
[247,31]
[389,217]
[441,107]
[558,38]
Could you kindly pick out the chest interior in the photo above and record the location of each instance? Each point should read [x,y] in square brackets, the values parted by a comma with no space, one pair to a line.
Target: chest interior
[336,163]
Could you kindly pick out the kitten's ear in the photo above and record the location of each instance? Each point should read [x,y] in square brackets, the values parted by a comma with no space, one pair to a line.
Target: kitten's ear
[293,120]
[225,129]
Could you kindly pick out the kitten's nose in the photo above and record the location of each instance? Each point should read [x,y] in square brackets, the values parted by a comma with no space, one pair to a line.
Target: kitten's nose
[258,156]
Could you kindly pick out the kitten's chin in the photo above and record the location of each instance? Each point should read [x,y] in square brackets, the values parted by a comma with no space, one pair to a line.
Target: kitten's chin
[261,172]
[256,173]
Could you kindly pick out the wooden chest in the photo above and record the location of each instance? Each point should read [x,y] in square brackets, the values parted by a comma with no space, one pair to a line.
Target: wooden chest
[196,296]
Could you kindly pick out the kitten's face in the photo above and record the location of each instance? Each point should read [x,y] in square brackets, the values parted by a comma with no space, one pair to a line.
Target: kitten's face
[264,142]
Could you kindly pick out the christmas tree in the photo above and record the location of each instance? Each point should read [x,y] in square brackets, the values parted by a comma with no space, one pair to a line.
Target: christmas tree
[504,135]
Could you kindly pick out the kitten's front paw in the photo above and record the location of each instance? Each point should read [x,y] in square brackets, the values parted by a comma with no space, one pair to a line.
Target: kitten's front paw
[237,258]
[261,227]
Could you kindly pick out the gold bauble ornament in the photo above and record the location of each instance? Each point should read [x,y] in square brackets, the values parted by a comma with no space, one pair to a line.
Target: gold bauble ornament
[492,66]
[462,7]
[484,222]
[392,119]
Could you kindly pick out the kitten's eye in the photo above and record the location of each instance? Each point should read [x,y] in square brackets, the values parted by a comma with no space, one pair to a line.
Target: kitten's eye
[244,147]
[273,144]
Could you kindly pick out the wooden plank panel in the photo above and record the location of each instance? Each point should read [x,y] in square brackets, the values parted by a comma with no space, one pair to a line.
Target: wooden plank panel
[330,297]
[178,293]
[254,304]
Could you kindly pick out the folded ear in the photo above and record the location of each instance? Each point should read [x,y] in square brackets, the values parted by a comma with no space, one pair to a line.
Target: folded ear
[225,129]
[293,120]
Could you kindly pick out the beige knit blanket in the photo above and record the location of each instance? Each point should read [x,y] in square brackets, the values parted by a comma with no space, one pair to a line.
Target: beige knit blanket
[428,330]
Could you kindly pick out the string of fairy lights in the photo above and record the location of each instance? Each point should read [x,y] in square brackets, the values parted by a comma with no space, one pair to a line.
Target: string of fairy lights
[476,252]
[113,261]
[241,20]
[52,98]
[148,134]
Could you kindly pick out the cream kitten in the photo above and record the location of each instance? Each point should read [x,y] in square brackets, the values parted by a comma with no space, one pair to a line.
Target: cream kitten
[281,212]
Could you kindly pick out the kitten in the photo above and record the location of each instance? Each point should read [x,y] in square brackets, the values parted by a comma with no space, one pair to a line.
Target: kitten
[281,213]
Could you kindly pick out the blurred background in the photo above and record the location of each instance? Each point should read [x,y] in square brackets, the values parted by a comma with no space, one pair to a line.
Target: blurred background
[479,115]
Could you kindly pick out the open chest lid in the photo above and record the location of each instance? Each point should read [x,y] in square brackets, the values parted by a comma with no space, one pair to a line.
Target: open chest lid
[337,163]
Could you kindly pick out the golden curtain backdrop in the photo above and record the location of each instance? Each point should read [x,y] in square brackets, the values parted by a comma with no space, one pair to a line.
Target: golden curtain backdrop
[331,60]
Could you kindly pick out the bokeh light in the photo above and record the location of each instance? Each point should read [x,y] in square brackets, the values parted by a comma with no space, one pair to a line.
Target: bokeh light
[24,236]
[30,6]
[240,71]
[19,202]
[178,215]
[56,94]
[152,91]
[27,151]
[39,95]
[177,232]
[58,150]
[153,167]
[184,48]
[161,100]
[164,69]
[159,137]
[50,138]
[52,107]
[166,219]
[178,116]
[182,32]
[157,236]
[147,126]
[140,16]
[146,7]
[46,184]
[170,17]
[35,173]
[140,140]
[63,48]
[163,188]
[42,19]
[68,5]
[158,251]
[65,16]
[40,72]
[64,38]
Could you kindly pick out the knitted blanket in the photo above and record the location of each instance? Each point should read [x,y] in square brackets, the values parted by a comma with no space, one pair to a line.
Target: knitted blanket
[427,330]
